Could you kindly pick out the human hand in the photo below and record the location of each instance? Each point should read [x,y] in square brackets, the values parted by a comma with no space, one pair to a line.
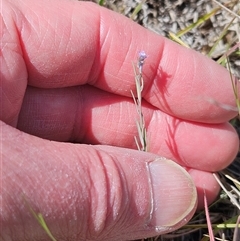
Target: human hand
[66,77]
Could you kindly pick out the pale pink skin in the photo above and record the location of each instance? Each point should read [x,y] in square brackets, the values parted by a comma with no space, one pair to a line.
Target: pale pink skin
[66,76]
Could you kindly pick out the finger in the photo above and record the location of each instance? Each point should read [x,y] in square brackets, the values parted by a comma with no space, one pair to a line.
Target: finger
[88,115]
[206,185]
[89,193]
[67,49]
[13,72]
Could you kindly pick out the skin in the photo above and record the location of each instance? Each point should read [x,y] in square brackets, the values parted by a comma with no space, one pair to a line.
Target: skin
[66,76]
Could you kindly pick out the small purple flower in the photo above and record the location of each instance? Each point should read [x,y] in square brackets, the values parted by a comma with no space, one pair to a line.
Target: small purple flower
[141,57]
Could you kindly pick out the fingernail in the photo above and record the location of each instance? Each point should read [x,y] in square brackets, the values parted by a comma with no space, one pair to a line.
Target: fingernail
[174,195]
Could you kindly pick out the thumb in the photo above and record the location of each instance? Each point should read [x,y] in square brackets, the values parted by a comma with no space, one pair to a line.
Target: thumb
[89,192]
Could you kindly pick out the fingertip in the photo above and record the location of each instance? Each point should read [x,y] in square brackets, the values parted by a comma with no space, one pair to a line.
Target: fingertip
[174,195]
[203,146]
[206,185]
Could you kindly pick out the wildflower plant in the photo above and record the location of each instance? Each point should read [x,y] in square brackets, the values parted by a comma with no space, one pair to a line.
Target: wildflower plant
[141,141]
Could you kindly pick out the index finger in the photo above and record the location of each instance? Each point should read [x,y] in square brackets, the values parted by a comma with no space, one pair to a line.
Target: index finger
[68,43]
